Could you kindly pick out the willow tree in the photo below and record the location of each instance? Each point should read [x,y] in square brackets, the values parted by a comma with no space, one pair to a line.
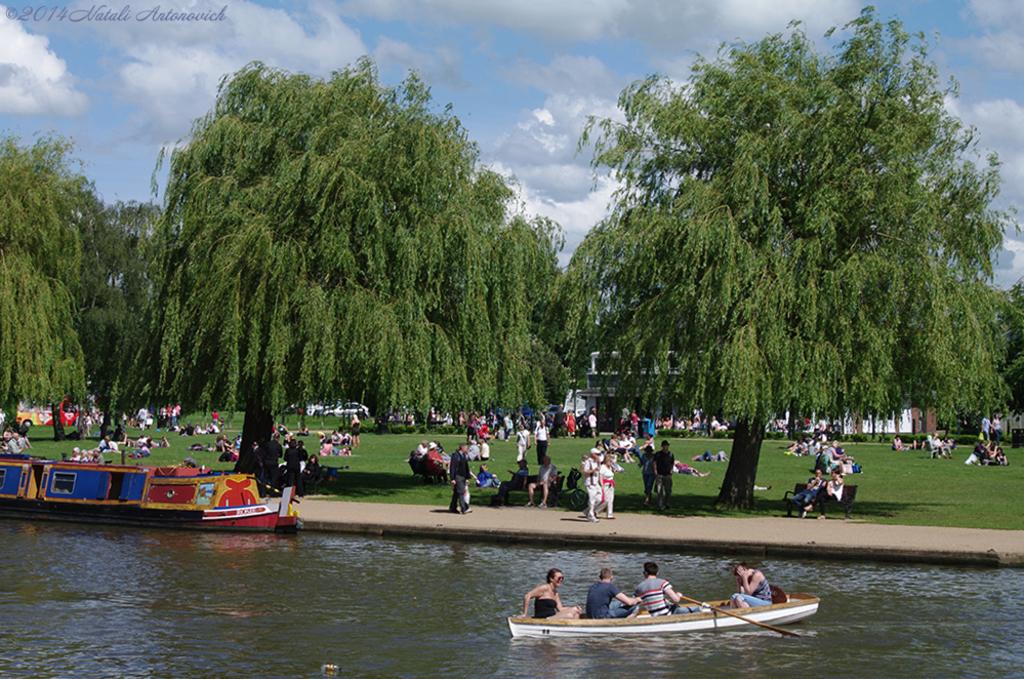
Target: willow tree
[40,358]
[794,231]
[329,238]
[112,297]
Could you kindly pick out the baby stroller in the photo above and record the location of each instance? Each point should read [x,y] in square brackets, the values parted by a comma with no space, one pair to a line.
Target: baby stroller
[576,496]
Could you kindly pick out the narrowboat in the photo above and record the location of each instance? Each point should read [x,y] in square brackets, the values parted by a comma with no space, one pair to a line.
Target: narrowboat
[167,497]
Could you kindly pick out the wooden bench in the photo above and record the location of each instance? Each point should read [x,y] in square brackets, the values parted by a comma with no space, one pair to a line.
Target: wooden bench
[849,497]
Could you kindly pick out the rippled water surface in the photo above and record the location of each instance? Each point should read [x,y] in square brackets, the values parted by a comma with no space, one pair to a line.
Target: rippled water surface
[101,602]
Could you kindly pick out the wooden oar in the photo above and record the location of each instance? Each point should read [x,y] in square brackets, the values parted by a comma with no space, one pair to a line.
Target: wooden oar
[737,615]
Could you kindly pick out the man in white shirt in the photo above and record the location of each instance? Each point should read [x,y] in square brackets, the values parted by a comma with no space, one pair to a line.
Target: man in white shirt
[522,443]
[546,476]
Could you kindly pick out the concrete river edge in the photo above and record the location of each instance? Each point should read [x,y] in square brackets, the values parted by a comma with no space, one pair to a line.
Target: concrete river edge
[771,537]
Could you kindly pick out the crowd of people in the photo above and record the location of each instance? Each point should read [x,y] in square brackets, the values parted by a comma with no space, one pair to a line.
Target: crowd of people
[653,593]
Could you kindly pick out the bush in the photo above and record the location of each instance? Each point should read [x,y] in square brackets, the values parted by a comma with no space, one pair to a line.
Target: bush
[858,438]
[721,435]
[775,436]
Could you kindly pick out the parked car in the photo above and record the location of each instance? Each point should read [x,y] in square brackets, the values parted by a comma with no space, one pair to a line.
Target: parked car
[347,410]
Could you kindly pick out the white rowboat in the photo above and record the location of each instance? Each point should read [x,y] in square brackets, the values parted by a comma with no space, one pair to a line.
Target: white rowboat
[798,607]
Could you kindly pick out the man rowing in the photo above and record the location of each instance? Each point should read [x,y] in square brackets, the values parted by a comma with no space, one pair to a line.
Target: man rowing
[658,596]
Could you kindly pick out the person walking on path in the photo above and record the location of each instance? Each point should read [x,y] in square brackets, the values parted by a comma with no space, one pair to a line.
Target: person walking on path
[591,469]
[458,470]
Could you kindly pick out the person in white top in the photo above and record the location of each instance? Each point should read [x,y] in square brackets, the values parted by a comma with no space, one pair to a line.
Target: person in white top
[540,437]
[546,476]
[522,443]
[591,469]
[607,476]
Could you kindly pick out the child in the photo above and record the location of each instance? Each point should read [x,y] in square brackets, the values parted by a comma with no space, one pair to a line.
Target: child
[485,479]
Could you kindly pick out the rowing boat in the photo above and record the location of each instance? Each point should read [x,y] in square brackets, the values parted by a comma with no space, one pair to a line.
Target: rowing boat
[796,608]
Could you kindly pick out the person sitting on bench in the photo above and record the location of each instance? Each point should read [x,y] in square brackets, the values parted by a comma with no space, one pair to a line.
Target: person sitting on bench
[833,490]
[804,500]
[546,476]
[518,482]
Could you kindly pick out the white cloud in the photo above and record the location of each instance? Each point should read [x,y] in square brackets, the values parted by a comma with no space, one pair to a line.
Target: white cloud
[441,67]
[649,22]
[33,81]
[540,150]
[1000,124]
[1000,45]
[576,215]
[997,12]
[172,70]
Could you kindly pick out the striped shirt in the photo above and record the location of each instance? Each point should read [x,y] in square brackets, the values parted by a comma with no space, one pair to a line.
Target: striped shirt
[652,591]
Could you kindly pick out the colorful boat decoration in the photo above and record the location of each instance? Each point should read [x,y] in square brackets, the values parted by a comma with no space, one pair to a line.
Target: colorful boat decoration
[169,497]
[796,608]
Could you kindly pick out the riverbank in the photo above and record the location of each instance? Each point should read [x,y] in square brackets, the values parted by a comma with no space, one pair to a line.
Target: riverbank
[755,538]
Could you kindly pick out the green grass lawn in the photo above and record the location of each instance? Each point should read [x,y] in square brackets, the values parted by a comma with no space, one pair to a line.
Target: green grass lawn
[896,487]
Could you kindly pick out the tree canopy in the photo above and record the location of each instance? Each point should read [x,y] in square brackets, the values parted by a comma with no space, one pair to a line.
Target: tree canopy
[40,358]
[112,295]
[794,231]
[338,238]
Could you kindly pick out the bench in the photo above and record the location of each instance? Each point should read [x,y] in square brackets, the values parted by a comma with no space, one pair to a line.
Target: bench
[553,494]
[849,497]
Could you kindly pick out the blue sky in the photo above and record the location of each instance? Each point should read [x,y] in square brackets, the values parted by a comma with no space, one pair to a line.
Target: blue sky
[522,75]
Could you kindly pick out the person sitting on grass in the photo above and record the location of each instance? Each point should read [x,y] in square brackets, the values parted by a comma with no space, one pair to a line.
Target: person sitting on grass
[720,456]
[226,450]
[485,479]
[683,468]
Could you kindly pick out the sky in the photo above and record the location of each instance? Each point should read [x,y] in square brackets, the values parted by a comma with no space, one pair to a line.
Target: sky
[125,80]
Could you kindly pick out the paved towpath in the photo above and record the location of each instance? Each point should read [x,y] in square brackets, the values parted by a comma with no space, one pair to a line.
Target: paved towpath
[763,537]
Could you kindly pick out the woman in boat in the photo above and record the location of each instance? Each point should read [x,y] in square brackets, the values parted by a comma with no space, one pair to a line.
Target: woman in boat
[548,604]
[753,587]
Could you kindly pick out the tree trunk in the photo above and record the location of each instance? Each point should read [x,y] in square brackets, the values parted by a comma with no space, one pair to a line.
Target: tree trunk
[58,426]
[257,427]
[738,486]
[105,425]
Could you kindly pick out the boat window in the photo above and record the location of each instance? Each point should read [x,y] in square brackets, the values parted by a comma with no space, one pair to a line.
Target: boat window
[63,483]
[3,477]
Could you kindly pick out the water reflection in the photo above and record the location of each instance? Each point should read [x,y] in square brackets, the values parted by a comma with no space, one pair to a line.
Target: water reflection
[126,603]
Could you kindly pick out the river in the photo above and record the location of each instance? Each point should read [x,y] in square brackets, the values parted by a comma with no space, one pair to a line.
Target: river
[109,602]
